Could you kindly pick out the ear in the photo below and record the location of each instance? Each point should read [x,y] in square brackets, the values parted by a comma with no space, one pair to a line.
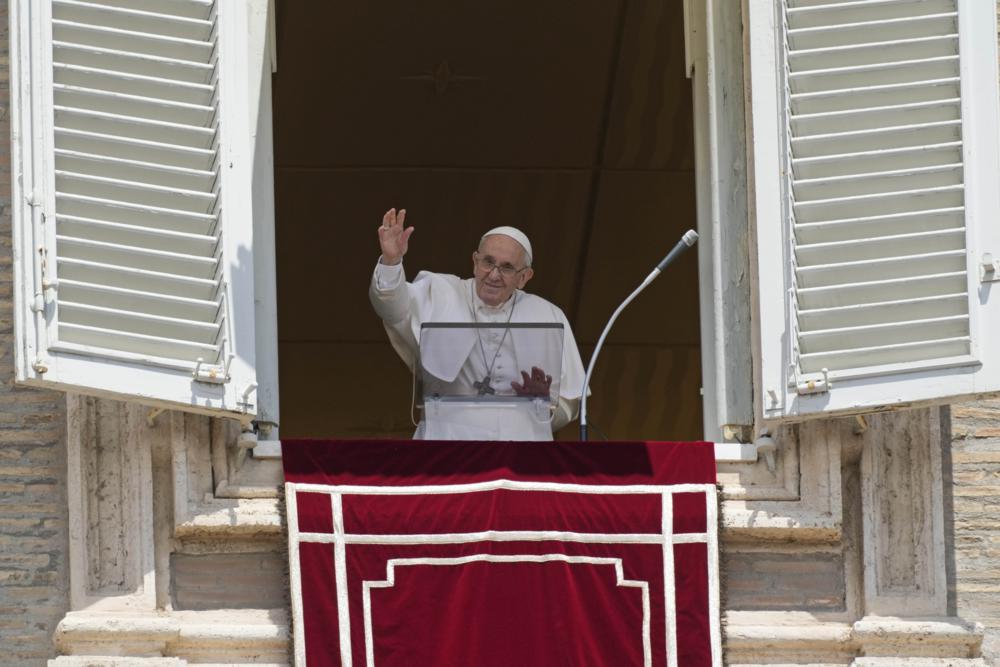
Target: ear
[525,277]
[474,253]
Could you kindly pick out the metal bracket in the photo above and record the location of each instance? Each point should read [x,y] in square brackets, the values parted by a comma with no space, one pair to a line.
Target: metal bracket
[814,385]
[152,415]
[768,448]
[989,269]
[212,374]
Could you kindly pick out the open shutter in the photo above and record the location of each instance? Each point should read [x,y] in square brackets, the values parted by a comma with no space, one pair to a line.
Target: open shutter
[875,147]
[132,203]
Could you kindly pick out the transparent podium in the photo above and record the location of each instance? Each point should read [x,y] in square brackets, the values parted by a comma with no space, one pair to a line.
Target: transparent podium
[486,381]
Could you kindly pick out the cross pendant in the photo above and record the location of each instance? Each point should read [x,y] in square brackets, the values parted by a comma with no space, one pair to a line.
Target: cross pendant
[484,386]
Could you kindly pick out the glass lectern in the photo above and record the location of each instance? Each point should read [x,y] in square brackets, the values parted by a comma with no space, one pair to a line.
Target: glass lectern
[489,381]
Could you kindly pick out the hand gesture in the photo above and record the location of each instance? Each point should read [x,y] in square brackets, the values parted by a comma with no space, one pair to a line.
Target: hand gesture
[536,385]
[393,238]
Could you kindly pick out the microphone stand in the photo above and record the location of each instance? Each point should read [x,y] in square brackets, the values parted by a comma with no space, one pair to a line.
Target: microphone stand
[689,239]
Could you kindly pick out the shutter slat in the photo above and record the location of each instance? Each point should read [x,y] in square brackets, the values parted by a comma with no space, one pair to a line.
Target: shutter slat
[143,172]
[886,354]
[133,84]
[144,280]
[883,268]
[158,131]
[137,301]
[839,122]
[857,141]
[882,182]
[151,237]
[883,334]
[876,226]
[195,9]
[131,19]
[131,148]
[129,40]
[844,164]
[134,105]
[135,192]
[154,346]
[865,97]
[884,246]
[864,76]
[862,32]
[884,311]
[116,211]
[890,203]
[190,331]
[874,52]
[826,12]
[873,291]
[158,67]
[116,254]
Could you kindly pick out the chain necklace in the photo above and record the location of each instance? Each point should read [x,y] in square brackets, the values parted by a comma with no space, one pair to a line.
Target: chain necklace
[485,386]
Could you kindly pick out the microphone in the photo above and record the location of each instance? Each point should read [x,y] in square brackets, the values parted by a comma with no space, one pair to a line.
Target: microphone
[688,240]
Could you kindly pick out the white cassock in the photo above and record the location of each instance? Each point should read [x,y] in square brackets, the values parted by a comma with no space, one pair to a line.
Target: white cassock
[436,297]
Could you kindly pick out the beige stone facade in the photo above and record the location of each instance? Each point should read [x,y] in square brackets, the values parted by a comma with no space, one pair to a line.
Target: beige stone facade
[129,537]
[974,508]
[34,569]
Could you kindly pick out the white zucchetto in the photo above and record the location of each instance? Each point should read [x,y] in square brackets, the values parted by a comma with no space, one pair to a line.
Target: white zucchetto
[514,233]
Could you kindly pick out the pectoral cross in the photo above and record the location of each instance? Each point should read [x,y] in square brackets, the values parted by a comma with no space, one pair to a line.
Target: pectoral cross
[484,387]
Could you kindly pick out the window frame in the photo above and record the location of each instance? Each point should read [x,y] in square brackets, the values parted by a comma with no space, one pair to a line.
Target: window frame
[893,385]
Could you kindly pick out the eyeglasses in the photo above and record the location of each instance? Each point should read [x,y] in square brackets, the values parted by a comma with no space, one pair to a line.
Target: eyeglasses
[487,264]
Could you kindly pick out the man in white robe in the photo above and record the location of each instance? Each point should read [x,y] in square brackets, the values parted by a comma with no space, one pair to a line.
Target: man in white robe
[489,360]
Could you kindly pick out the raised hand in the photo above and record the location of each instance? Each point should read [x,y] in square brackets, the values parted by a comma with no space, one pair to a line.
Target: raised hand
[537,384]
[393,237]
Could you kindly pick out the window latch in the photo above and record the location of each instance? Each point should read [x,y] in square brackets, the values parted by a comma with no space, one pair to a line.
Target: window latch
[212,374]
[814,385]
[989,269]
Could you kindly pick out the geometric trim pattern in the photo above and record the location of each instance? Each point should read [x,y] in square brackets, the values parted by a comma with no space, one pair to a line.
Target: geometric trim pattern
[350,518]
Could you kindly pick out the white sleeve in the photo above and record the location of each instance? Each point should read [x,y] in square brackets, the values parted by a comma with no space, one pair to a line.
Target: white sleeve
[388,276]
[566,411]
[389,294]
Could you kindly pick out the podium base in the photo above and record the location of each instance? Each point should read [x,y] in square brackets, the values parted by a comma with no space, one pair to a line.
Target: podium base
[494,420]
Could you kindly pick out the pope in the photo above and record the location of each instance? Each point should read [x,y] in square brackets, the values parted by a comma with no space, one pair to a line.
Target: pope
[501,267]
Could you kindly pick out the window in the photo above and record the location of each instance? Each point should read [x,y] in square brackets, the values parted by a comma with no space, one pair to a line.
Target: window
[133,224]
[875,161]
[143,207]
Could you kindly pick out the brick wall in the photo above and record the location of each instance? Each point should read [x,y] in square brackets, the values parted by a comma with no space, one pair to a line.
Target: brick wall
[975,515]
[33,538]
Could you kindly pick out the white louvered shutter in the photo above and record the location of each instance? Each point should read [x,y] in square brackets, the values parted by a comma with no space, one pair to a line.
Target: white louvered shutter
[133,222]
[876,194]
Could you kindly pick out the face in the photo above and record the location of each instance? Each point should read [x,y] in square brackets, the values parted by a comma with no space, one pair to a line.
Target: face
[492,286]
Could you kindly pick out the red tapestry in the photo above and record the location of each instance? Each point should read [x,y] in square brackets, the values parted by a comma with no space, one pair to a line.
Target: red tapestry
[528,554]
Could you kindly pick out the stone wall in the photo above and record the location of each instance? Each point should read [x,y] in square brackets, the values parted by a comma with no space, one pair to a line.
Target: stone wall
[975,514]
[973,511]
[33,527]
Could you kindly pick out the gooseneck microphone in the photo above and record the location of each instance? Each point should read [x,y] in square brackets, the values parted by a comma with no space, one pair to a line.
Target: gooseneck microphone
[689,239]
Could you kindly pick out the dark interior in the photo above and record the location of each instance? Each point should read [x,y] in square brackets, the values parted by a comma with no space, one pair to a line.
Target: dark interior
[569,120]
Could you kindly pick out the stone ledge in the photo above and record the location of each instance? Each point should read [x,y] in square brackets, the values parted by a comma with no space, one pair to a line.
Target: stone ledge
[799,638]
[248,517]
[113,661]
[881,636]
[223,636]
[772,521]
[919,662]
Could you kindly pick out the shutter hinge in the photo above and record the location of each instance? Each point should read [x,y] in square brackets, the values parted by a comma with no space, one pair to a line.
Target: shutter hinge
[989,269]
[814,385]
[212,374]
